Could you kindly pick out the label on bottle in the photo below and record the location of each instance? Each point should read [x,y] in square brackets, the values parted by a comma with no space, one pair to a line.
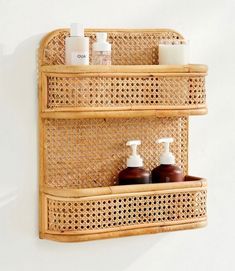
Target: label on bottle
[80,58]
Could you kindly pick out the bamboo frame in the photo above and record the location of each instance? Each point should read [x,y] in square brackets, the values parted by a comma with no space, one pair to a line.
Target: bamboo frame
[190,183]
[148,71]
[46,193]
[82,195]
[97,70]
[123,233]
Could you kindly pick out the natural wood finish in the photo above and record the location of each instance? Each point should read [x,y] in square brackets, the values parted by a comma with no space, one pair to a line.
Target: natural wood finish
[41,206]
[191,182]
[124,88]
[111,91]
[96,70]
[83,153]
[68,212]
[70,120]
[84,86]
[134,227]
[124,233]
[129,88]
[52,46]
[124,114]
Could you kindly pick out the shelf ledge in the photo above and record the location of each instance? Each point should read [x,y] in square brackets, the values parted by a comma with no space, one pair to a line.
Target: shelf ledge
[123,114]
[190,183]
[155,69]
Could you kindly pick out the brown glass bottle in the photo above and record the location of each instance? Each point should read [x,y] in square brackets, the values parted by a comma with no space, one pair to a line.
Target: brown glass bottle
[134,175]
[167,173]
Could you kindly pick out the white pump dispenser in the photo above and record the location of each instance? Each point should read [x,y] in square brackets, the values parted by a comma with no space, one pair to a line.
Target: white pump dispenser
[101,43]
[167,157]
[101,50]
[134,159]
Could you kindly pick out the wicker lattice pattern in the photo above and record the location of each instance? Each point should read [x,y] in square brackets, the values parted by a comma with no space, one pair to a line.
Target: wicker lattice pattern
[114,213]
[122,91]
[91,152]
[128,48]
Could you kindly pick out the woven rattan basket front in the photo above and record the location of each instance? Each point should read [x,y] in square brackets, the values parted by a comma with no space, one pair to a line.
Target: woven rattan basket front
[86,116]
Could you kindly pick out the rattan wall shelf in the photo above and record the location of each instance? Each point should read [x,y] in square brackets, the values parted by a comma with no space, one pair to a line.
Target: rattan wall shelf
[86,116]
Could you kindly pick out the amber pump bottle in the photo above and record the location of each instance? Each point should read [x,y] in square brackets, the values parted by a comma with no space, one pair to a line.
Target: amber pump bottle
[134,173]
[167,171]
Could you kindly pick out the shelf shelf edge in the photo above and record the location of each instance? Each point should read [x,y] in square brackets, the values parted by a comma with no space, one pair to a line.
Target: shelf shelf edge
[155,69]
[122,233]
[195,182]
[123,113]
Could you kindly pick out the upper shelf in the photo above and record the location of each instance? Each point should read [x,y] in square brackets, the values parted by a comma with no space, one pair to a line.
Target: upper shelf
[134,86]
[129,46]
[123,90]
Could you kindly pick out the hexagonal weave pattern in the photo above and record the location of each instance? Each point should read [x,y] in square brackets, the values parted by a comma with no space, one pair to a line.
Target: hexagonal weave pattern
[92,92]
[128,48]
[85,153]
[125,212]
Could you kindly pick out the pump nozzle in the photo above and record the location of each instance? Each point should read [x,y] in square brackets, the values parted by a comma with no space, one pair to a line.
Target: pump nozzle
[134,159]
[101,43]
[101,36]
[167,157]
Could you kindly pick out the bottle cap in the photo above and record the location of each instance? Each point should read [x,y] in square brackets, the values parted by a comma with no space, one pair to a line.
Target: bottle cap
[101,43]
[134,159]
[76,30]
[167,157]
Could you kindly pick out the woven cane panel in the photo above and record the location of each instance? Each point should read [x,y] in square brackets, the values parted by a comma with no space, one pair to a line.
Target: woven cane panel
[121,91]
[114,213]
[128,48]
[85,153]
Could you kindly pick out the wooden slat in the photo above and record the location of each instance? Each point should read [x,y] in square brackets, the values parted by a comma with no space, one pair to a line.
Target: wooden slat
[194,182]
[97,70]
[123,114]
[123,233]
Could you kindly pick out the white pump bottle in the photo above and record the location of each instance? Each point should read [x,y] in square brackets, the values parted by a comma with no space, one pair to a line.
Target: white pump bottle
[101,50]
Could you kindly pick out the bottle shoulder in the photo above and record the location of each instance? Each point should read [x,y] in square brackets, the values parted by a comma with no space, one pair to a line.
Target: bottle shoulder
[135,175]
[167,173]
[134,171]
[167,168]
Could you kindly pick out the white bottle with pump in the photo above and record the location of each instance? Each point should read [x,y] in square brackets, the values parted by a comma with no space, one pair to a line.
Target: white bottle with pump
[76,46]
[167,171]
[101,50]
[134,173]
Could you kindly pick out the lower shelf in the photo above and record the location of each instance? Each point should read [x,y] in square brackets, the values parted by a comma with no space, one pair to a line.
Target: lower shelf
[73,215]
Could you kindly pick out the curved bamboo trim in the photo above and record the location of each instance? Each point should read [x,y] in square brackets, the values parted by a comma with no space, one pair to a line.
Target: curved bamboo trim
[118,70]
[124,228]
[53,33]
[194,182]
[123,233]
[47,193]
[124,114]
[198,69]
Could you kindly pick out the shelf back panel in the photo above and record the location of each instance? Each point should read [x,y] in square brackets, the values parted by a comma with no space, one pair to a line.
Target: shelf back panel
[83,153]
[129,47]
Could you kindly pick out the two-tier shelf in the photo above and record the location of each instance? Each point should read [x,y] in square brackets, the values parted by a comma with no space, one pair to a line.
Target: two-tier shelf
[87,113]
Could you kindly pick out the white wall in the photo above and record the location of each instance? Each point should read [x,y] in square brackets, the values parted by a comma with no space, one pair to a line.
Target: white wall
[209,25]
